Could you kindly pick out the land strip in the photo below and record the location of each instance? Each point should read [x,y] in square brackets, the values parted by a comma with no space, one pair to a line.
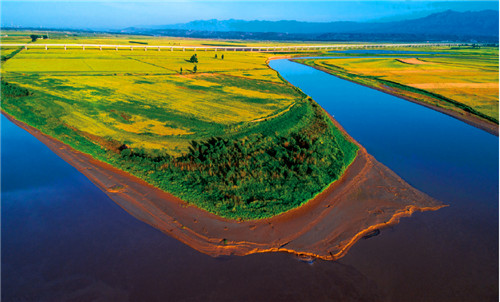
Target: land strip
[414,92]
[368,196]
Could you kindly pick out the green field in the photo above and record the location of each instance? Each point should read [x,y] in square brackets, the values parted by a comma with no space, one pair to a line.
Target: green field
[458,78]
[231,138]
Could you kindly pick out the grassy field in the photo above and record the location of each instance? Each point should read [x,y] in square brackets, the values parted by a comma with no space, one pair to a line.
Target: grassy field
[231,138]
[457,78]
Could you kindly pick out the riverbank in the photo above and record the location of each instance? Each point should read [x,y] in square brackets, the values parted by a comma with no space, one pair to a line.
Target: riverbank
[461,115]
[368,196]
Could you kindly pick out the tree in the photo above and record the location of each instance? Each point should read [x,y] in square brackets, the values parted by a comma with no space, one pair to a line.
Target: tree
[195,69]
[33,38]
[216,56]
[194,59]
[181,70]
[222,56]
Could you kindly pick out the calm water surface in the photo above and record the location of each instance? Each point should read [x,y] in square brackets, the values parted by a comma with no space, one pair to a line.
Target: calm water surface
[447,255]
[65,240]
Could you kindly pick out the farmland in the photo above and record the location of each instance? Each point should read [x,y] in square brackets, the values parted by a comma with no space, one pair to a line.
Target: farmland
[225,134]
[66,37]
[460,79]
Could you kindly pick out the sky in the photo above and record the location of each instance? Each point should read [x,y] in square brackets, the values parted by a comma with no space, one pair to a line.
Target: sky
[115,14]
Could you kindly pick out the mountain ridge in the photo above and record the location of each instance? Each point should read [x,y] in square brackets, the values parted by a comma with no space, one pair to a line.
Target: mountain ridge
[480,23]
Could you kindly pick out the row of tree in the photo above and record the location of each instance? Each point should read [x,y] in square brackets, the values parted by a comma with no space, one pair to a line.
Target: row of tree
[36,37]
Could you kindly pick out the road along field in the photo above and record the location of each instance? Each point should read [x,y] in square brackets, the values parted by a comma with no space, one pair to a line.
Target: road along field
[461,81]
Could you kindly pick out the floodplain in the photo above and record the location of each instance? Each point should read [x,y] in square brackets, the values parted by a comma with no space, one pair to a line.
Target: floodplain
[213,128]
[462,81]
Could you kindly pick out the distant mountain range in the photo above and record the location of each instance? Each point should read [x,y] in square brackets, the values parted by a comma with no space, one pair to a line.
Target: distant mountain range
[447,25]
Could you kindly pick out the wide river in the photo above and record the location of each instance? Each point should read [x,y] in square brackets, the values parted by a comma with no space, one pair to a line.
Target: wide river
[64,239]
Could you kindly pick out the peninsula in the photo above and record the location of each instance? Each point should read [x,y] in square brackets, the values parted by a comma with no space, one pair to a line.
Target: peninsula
[213,148]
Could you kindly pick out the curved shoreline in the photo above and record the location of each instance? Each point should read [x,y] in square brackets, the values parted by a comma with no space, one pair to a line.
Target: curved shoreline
[367,196]
[463,116]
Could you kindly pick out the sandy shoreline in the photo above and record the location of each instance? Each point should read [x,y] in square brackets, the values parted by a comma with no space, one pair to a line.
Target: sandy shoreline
[463,116]
[367,197]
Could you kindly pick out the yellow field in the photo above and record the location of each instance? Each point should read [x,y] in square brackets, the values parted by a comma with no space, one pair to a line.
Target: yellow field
[469,77]
[120,94]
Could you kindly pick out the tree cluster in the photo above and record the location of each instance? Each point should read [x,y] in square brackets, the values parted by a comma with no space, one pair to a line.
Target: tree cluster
[36,37]
[13,90]
[251,177]
[194,59]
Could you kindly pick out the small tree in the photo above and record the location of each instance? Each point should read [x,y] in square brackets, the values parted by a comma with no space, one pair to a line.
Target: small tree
[33,38]
[216,56]
[222,56]
[194,59]
[181,70]
[195,69]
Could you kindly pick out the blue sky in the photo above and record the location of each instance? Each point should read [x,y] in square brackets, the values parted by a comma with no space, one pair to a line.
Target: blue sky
[114,14]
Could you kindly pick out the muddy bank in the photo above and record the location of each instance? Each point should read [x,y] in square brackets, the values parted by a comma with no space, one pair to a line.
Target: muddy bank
[369,196]
[461,115]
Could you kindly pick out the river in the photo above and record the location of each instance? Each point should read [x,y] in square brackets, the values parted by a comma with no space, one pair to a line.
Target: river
[64,239]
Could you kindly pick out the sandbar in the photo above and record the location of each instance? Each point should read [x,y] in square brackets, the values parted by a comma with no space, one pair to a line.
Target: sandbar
[369,196]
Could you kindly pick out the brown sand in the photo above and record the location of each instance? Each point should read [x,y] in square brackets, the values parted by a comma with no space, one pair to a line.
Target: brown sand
[413,61]
[368,196]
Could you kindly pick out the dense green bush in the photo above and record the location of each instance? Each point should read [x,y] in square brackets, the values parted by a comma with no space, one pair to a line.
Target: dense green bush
[253,177]
[13,90]
[11,55]
[194,59]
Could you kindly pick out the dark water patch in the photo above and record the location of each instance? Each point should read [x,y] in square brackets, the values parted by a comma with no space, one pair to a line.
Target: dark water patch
[454,250]
[64,240]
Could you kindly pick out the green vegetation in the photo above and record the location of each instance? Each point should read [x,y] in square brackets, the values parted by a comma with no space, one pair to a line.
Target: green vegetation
[233,139]
[138,42]
[36,37]
[194,58]
[256,176]
[459,79]
[13,90]
[9,53]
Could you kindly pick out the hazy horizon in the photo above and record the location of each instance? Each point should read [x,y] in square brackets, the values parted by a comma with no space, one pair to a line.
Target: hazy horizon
[113,14]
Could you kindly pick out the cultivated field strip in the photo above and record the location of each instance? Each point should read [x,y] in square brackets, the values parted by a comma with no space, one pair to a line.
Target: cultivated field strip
[288,48]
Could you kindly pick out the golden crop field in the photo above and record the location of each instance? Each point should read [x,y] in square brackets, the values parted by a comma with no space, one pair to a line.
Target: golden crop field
[134,87]
[468,76]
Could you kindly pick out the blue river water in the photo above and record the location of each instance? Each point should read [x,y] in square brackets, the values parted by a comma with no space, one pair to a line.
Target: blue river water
[428,149]
[64,240]
[443,157]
